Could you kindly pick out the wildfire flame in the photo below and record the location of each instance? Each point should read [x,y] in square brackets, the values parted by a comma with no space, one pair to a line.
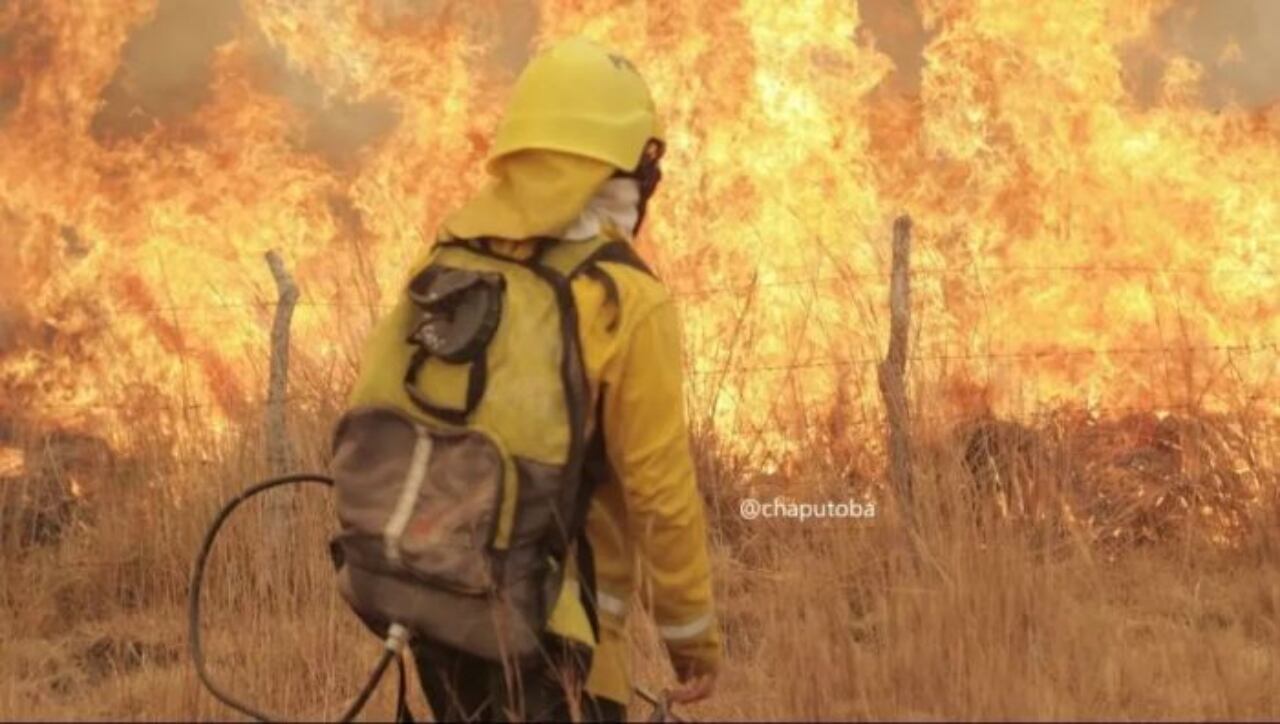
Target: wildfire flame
[13,462]
[1074,242]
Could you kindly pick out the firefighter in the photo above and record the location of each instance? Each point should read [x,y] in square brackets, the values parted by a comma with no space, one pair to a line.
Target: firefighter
[576,159]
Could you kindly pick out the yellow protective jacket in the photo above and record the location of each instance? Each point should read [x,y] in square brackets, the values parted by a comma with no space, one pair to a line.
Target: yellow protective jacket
[646,523]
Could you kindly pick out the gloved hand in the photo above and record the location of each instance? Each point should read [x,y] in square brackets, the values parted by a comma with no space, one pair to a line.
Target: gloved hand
[693,687]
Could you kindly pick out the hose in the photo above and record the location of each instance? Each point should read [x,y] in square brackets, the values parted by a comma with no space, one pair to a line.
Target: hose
[397,635]
[395,641]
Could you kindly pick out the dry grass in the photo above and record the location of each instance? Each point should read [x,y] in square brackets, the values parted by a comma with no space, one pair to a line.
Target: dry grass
[994,610]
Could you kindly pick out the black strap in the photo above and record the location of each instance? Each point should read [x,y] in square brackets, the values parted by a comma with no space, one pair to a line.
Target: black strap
[571,359]
[542,246]
[611,294]
[478,375]
[617,252]
[587,582]
[403,714]
[595,470]
[587,460]
[648,174]
[483,245]
[614,252]
[477,379]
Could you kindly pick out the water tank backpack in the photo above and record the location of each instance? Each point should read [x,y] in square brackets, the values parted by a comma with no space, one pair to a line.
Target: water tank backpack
[459,468]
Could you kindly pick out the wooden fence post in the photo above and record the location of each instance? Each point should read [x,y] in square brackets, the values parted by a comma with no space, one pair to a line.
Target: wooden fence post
[279,457]
[892,370]
[278,510]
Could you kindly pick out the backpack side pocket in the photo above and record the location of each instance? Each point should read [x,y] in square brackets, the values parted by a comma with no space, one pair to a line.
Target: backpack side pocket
[418,502]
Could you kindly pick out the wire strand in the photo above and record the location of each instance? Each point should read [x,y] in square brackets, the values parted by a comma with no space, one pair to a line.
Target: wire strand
[745,284]
[1031,354]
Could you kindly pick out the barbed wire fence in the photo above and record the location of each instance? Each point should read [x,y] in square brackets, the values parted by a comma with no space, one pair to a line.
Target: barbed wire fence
[692,293]
[691,296]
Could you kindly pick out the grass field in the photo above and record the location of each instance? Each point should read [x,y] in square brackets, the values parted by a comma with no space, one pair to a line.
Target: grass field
[1094,186]
[1089,603]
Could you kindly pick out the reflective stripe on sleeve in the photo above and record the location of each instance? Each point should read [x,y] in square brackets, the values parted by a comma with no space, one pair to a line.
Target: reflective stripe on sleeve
[611,605]
[688,630]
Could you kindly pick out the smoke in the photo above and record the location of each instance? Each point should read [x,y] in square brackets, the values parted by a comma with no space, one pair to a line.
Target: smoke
[166,65]
[166,68]
[1232,41]
[10,291]
[505,30]
[898,32]
[10,81]
[336,128]
[512,32]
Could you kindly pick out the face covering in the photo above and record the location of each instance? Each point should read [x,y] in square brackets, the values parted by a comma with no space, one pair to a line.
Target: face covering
[615,206]
[537,193]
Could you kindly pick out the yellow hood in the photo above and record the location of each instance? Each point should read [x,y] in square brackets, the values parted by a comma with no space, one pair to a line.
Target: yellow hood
[533,193]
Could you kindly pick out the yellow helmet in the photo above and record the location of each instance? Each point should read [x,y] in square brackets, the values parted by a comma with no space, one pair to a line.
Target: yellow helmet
[578,97]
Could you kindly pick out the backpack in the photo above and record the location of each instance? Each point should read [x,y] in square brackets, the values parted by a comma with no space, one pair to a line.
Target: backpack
[459,466]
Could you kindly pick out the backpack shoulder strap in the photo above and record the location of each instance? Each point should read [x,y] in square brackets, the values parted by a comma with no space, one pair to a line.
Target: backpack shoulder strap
[610,251]
[566,258]
[616,252]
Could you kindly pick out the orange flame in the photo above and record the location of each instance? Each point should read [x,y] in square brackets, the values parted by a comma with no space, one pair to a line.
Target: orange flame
[13,462]
[1073,243]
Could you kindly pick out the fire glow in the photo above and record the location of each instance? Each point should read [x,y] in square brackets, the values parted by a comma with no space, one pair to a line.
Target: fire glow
[1074,244]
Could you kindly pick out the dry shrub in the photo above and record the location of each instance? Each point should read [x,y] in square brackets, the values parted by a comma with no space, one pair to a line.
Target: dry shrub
[998,610]
[1009,599]
[1138,479]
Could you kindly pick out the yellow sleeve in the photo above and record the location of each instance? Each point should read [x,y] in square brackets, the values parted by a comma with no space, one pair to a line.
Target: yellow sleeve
[647,443]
